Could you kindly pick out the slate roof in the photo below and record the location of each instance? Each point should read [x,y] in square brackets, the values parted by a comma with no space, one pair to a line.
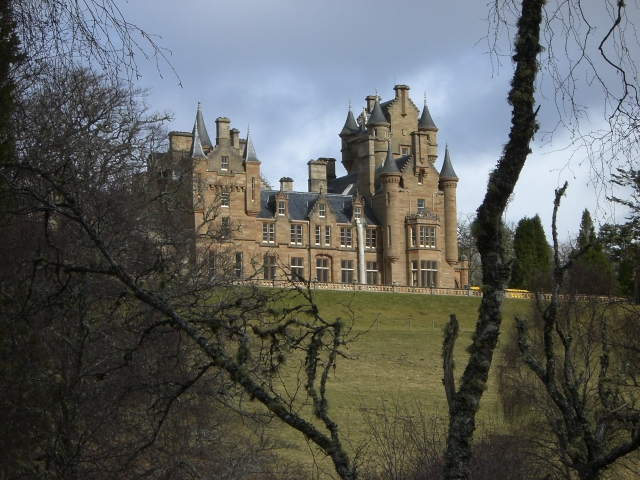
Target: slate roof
[202,130]
[390,165]
[196,150]
[426,122]
[377,117]
[249,154]
[301,204]
[340,184]
[350,125]
[447,168]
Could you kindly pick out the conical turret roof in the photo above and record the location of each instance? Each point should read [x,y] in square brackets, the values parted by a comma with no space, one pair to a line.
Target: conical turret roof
[249,152]
[426,122]
[204,136]
[377,117]
[390,165]
[350,125]
[447,169]
[196,150]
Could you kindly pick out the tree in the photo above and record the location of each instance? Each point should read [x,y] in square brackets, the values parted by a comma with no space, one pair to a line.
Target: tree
[113,236]
[584,355]
[591,273]
[531,251]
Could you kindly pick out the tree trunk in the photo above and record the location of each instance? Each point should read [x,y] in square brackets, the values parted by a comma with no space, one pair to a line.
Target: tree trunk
[495,272]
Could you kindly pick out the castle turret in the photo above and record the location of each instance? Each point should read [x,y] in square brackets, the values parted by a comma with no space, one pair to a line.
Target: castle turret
[348,131]
[428,128]
[252,167]
[448,184]
[202,130]
[390,179]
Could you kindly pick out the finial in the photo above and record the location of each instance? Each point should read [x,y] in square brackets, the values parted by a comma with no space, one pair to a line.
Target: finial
[376,93]
[198,105]
[349,103]
[247,129]
[425,99]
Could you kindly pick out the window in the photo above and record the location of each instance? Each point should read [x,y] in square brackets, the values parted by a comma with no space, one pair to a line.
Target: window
[322,269]
[427,236]
[345,237]
[421,206]
[372,273]
[389,236]
[370,238]
[280,208]
[429,273]
[269,267]
[225,228]
[413,236]
[296,234]
[224,164]
[327,235]
[357,213]
[414,273]
[239,265]
[268,232]
[388,199]
[346,268]
[322,210]
[253,189]
[224,200]
[318,234]
[420,178]
[297,268]
[405,150]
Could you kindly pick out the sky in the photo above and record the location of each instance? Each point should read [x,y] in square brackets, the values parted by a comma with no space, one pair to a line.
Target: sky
[287,69]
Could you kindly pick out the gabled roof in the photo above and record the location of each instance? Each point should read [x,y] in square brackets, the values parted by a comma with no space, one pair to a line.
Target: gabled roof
[249,154]
[204,136]
[301,203]
[447,170]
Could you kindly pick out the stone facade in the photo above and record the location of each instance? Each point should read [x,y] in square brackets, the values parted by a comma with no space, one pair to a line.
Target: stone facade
[391,219]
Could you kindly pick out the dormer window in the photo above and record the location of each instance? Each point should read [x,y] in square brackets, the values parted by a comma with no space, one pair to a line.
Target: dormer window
[322,210]
[224,164]
[280,208]
[357,213]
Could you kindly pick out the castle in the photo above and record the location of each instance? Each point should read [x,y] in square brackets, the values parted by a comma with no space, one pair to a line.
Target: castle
[391,219]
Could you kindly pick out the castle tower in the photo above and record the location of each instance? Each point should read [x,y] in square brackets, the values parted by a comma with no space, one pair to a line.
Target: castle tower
[448,184]
[348,131]
[378,129]
[392,242]
[428,128]
[252,168]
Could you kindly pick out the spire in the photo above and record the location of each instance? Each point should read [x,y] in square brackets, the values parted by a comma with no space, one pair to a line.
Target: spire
[249,152]
[350,125]
[426,122]
[447,169]
[204,136]
[196,150]
[377,117]
[390,165]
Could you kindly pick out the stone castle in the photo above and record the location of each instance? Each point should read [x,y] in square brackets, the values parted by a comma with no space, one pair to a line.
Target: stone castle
[391,219]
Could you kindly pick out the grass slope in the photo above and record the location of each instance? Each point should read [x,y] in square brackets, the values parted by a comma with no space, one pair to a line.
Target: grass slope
[398,356]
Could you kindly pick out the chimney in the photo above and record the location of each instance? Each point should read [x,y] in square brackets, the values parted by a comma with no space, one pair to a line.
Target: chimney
[317,175]
[371,101]
[402,94]
[286,184]
[222,131]
[331,168]
[235,138]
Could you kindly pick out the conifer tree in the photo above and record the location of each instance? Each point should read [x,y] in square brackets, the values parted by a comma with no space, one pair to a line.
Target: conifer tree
[9,56]
[531,251]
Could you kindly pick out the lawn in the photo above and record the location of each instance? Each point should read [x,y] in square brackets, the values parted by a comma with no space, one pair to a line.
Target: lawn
[398,355]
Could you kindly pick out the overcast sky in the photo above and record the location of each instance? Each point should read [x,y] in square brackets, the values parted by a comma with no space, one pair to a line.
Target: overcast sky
[288,68]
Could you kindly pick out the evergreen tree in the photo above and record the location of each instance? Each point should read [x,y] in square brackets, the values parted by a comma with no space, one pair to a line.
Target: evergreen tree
[591,273]
[531,251]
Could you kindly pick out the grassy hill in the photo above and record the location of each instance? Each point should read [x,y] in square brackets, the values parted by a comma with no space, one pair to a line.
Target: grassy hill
[398,355]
